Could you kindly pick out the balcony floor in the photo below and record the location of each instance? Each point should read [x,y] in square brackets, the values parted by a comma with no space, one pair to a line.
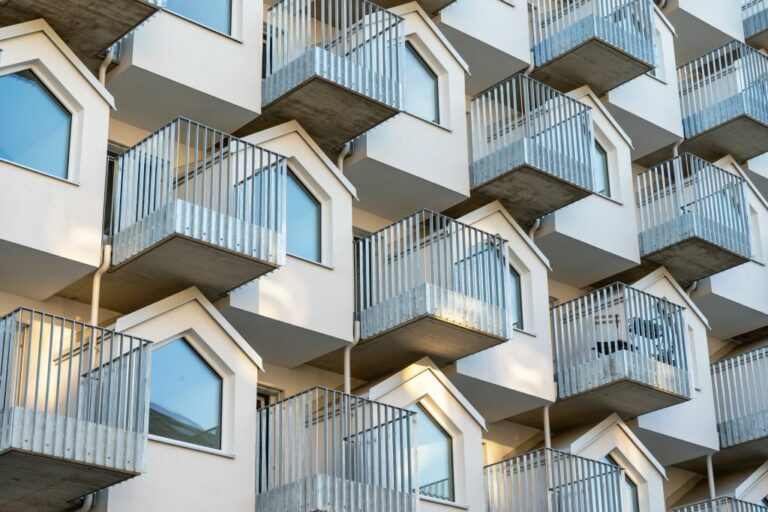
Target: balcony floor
[395,349]
[595,63]
[742,137]
[330,113]
[694,258]
[44,484]
[169,266]
[430,6]
[627,398]
[87,26]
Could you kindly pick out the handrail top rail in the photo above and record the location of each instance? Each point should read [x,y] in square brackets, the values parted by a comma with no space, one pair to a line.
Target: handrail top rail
[108,330]
[735,360]
[554,451]
[520,76]
[734,44]
[336,392]
[719,499]
[369,3]
[621,285]
[694,159]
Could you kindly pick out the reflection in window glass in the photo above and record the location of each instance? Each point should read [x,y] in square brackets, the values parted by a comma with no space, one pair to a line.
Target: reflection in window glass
[602,184]
[215,14]
[303,221]
[435,456]
[517,298]
[185,396]
[421,98]
[34,126]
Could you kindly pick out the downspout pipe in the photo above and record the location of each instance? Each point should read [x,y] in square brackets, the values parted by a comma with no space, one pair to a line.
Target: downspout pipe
[692,288]
[346,150]
[105,66]
[534,228]
[676,149]
[711,478]
[106,258]
[348,357]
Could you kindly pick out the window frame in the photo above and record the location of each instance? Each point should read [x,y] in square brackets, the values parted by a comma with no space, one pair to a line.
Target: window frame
[518,296]
[598,149]
[230,33]
[320,243]
[422,409]
[410,48]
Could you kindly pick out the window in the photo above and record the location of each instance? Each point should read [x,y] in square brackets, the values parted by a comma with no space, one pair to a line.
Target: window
[185,396]
[421,91]
[658,57]
[215,14]
[630,488]
[303,221]
[602,180]
[517,298]
[435,454]
[35,127]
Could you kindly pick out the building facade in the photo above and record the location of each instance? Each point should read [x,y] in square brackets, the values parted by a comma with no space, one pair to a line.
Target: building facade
[384,255]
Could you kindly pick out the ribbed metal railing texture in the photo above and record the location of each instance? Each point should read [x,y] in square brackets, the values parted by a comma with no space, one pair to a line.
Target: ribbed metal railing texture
[741,397]
[201,183]
[688,197]
[728,82]
[524,122]
[615,333]
[528,482]
[560,26]
[335,452]
[73,391]
[353,43]
[755,15]
[722,505]
[430,264]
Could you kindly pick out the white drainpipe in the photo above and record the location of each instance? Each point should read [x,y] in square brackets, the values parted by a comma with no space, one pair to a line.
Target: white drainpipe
[348,357]
[105,65]
[346,150]
[534,228]
[711,478]
[106,257]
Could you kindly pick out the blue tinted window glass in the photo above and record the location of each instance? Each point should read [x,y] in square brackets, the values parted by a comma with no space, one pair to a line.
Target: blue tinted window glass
[302,222]
[435,455]
[421,90]
[34,126]
[517,298]
[602,181]
[185,396]
[215,14]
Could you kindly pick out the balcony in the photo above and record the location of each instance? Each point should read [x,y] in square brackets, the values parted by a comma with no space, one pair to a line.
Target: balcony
[724,101]
[330,451]
[87,26]
[573,484]
[617,349]
[693,218]
[722,505]
[600,43]
[528,140]
[191,206]
[755,14]
[335,67]
[741,405]
[427,286]
[73,407]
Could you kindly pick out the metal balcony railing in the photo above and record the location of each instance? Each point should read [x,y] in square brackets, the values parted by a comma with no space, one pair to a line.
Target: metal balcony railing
[560,26]
[524,122]
[331,451]
[728,82]
[722,505]
[689,197]
[741,397]
[73,391]
[619,333]
[755,15]
[189,179]
[527,483]
[430,264]
[353,43]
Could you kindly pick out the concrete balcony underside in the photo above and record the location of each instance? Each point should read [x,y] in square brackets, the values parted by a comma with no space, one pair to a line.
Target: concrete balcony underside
[742,136]
[87,26]
[595,63]
[430,6]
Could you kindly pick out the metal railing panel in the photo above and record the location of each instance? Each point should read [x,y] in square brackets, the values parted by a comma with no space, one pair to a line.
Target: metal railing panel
[430,264]
[560,26]
[524,122]
[353,43]
[689,197]
[755,16]
[722,505]
[741,397]
[201,183]
[728,82]
[73,391]
[530,482]
[615,333]
[331,451]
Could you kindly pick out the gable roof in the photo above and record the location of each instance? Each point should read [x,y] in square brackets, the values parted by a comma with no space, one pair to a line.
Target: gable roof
[402,10]
[496,207]
[662,273]
[586,91]
[414,370]
[664,19]
[751,481]
[609,423]
[294,127]
[40,25]
[184,297]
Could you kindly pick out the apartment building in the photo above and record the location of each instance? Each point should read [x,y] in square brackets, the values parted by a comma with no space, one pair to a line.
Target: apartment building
[384,255]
